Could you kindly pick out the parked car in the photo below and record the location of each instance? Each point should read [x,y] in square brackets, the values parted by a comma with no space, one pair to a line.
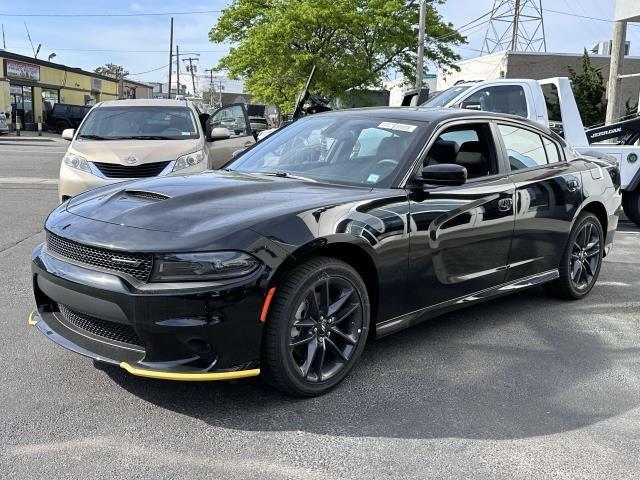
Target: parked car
[125,139]
[63,116]
[284,263]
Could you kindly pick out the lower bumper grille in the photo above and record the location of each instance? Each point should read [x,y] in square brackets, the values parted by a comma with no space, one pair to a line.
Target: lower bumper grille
[102,328]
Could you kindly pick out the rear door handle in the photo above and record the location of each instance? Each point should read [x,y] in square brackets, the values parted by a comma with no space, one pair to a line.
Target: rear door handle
[572,185]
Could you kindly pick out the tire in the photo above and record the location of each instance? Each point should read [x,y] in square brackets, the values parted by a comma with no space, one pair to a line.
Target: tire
[581,261]
[297,316]
[631,205]
[60,126]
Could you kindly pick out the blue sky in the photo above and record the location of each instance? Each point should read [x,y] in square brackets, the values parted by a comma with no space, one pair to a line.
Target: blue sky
[120,39]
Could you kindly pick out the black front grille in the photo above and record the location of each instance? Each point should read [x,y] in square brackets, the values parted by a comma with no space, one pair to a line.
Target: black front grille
[137,265]
[114,170]
[101,328]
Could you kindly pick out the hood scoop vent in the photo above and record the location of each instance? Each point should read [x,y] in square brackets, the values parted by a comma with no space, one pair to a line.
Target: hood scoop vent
[146,195]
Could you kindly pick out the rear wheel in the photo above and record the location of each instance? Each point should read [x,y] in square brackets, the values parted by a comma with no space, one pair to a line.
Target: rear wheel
[61,126]
[631,205]
[316,329]
[581,261]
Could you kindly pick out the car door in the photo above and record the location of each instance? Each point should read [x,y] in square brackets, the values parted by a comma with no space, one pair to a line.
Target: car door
[461,235]
[235,119]
[548,195]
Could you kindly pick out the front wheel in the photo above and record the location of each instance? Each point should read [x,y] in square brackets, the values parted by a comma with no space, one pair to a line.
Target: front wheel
[631,205]
[581,261]
[316,329]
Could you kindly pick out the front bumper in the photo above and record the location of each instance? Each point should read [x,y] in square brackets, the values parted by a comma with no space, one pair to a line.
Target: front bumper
[182,332]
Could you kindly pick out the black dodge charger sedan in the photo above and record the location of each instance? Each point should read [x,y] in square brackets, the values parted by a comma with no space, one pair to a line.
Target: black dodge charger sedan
[338,227]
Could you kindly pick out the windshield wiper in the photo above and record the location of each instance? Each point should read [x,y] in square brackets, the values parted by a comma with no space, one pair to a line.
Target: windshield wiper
[285,175]
[145,137]
[92,137]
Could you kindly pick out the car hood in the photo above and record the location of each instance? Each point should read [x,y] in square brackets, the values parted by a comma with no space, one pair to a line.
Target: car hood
[145,151]
[211,201]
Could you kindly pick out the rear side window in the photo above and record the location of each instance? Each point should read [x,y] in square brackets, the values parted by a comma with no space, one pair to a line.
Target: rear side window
[525,148]
[552,150]
[509,99]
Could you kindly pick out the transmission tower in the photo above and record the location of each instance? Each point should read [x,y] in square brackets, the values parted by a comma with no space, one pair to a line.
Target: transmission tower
[515,25]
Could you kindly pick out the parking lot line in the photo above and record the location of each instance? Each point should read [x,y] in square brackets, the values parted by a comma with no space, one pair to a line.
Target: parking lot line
[38,180]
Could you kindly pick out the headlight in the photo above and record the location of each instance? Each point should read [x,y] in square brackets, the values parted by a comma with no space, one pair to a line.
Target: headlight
[76,161]
[188,160]
[177,267]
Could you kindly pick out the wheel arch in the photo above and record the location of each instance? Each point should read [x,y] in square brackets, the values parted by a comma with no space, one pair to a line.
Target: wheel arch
[600,211]
[350,252]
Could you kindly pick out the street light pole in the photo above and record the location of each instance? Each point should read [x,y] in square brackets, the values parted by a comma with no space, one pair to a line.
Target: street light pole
[421,29]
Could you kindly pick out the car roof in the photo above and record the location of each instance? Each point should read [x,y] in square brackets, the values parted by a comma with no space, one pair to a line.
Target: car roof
[144,102]
[429,114]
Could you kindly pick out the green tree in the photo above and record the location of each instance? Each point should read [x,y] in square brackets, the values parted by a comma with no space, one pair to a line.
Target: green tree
[353,43]
[589,91]
[112,70]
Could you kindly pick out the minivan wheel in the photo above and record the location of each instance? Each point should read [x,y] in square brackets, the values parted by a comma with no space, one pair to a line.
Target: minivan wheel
[581,260]
[316,329]
[631,205]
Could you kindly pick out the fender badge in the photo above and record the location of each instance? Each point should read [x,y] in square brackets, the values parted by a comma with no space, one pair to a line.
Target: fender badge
[632,157]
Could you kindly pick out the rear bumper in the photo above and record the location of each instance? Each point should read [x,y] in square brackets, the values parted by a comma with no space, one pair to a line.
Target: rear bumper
[182,333]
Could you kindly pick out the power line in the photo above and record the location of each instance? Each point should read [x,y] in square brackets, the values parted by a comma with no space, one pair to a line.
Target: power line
[148,71]
[114,51]
[139,14]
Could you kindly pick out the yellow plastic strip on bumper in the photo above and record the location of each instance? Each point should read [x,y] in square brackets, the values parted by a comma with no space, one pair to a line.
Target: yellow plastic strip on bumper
[190,377]
[31,321]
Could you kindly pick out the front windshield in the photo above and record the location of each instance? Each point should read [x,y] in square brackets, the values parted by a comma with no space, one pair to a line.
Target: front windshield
[336,148]
[139,122]
[444,97]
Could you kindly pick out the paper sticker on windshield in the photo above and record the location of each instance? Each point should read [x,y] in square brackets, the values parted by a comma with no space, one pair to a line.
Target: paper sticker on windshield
[373,178]
[401,127]
[186,133]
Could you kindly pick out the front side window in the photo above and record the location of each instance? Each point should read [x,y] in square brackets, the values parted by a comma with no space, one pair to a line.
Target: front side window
[524,147]
[140,123]
[469,145]
[509,99]
[441,99]
[336,148]
[232,118]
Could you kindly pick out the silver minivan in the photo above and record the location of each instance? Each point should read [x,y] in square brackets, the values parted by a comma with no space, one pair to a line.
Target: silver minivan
[125,139]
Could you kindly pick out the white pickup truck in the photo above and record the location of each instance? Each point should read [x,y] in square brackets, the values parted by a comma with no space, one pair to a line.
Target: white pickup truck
[537,100]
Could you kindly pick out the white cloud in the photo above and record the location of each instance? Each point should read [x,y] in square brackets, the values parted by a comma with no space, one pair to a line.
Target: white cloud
[135,7]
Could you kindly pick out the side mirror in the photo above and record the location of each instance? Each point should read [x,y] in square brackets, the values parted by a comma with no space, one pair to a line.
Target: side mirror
[471,105]
[67,133]
[443,174]
[218,133]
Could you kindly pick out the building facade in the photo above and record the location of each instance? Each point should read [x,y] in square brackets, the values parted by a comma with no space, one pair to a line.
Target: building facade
[538,66]
[32,86]
[129,89]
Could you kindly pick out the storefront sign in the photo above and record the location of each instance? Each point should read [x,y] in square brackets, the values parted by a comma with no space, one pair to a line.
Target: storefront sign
[16,69]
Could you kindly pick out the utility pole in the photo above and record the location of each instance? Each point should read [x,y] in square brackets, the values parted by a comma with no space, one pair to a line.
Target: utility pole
[192,69]
[4,42]
[211,88]
[421,29]
[617,60]
[170,57]
[177,70]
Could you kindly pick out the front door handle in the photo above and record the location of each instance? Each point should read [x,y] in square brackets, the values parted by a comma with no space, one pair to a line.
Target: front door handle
[572,185]
[505,204]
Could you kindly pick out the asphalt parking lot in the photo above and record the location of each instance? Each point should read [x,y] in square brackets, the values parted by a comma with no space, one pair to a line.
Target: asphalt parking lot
[520,387]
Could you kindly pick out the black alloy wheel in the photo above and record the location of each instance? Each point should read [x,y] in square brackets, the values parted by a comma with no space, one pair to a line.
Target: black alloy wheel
[585,256]
[581,261]
[317,327]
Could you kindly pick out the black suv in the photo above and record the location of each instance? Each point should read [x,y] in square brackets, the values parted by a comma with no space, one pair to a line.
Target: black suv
[63,116]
